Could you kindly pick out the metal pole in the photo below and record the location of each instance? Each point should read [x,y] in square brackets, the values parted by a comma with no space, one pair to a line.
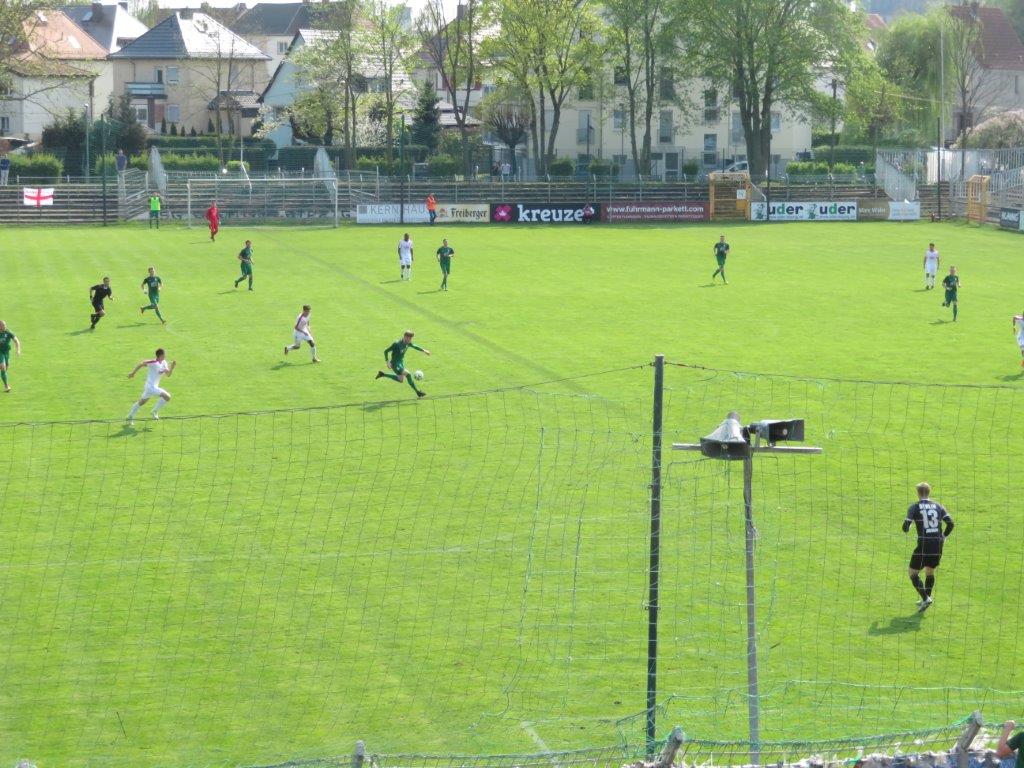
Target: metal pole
[401,173]
[938,169]
[653,573]
[103,168]
[753,698]
[85,119]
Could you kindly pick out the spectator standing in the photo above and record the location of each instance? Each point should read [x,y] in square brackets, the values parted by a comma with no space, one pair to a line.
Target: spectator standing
[5,169]
[432,208]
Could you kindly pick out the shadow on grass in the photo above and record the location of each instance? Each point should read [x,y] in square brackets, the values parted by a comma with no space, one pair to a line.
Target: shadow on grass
[279,365]
[79,333]
[132,325]
[388,282]
[228,293]
[941,322]
[922,290]
[128,431]
[709,285]
[898,625]
[436,290]
[1011,376]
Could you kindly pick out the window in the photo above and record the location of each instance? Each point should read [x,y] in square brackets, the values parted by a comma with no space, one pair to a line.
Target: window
[710,98]
[710,142]
[666,131]
[667,85]
[172,113]
[158,74]
[671,161]
[709,159]
[5,124]
[619,160]
[776,122]
[619,120]
[621,78]
[141,112]
[586,92]
[173,76]
[282,48]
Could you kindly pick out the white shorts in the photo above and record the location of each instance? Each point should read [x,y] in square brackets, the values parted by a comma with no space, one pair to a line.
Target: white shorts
[404,261]
[931,269]
[149,392]
[301,336]
[1020,340]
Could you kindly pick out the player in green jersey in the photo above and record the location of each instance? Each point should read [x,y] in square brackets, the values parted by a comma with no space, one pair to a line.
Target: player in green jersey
[951,283]
[154,210]
[721,251]
[394,356]
[245,258]
[152,284]
[444,258]
[7,338]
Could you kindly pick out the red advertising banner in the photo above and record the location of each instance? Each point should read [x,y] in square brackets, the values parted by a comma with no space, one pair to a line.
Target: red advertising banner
[691,211]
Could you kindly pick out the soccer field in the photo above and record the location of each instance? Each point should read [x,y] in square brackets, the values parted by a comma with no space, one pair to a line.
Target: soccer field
[297,556]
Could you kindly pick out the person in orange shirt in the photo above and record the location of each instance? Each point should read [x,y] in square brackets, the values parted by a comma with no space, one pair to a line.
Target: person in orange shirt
[431,208]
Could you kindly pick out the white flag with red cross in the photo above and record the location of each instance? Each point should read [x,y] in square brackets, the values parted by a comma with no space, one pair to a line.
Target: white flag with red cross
[38,196]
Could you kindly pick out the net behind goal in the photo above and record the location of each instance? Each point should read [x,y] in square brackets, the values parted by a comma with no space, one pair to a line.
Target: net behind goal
[302,198]
[469,575]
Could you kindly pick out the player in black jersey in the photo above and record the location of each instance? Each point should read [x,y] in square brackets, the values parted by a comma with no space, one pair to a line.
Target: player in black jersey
[97,294]
[926,515]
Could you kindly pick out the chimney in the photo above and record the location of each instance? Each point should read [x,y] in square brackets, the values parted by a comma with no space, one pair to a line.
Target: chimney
[460,11]
[124,4]
[97,11]
[185,13]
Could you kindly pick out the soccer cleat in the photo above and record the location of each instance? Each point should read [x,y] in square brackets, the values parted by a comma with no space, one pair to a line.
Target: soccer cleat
[155,416]
[421,394]
[924,605]
[7,388]
[316,359]
[286,350]
[380,374]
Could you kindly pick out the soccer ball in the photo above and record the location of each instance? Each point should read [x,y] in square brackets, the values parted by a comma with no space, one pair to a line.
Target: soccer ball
[418,375]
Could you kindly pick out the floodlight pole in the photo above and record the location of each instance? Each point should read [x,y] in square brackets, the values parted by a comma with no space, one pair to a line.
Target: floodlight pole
[753,693]
[653,572]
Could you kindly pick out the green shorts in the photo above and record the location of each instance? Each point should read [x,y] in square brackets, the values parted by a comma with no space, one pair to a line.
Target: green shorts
[950,297]
[446,265]
[720,260]
[246,268]
[154,298]
[398,368]
[154,214]
[5,357]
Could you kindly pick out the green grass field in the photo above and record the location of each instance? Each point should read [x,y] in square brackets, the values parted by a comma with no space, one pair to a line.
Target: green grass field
[298,556]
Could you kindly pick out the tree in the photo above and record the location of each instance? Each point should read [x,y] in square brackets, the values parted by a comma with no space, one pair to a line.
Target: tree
[769,55]
[509,119]
[453,48]
[972,87]
[546,48]
[872,102]
[645,50]
[388,46]
[18,20]
[133,136]
[426,117]
[907,57]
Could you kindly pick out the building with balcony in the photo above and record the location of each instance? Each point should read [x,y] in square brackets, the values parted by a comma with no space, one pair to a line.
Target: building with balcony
[191,71]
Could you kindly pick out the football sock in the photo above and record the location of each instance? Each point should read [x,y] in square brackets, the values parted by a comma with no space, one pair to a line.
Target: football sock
[929,582]
[250,281]
[3,376]
[160,403]
[134,410]
[412,383]
[954,311]
[916,581]
[312,350]
[157,310]
[392,376]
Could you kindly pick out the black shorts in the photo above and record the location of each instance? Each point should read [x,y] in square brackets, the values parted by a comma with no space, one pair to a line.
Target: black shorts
[98,306]
[927,554]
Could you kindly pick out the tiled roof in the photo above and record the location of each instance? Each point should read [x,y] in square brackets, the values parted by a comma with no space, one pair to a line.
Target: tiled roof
[107,24]
[244,100]
[273,19]
[875,21]
[52,35]
[1001,48]
[187,35]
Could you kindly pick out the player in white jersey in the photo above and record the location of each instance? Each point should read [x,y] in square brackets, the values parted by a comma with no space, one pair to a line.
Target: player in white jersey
[301,333]
[405,257]
[931,266]
[156,368]
[1018,328]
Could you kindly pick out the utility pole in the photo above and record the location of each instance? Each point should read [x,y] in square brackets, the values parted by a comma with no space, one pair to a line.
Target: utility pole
[832,153]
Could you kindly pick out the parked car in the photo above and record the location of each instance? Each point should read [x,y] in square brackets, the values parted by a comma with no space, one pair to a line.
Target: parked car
[738,167]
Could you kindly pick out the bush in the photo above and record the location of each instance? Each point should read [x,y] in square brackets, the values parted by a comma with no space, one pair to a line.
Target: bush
[818,168]
[442,165]
[139,161]
[560,166]
[176,162]
[853,154]
[106,164]
[603,168]
[40,166]
[691,168]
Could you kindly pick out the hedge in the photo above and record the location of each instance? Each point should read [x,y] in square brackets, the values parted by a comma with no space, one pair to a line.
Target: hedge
[560,166]
[206,142]
[818,168]
[848,154]
[603,168]
[40,165]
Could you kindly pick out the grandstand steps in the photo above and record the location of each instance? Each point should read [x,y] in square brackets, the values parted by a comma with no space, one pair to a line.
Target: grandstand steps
[929,199]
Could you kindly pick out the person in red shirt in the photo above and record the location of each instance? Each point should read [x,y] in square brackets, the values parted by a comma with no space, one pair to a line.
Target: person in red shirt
[431,208]
[213,219]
